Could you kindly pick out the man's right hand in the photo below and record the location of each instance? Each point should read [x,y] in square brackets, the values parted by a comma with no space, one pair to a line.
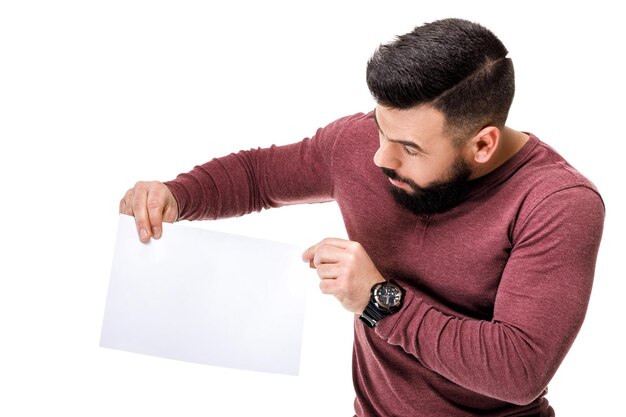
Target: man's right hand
[151,203]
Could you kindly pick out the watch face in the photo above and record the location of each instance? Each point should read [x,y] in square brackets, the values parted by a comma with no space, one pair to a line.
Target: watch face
[388,295]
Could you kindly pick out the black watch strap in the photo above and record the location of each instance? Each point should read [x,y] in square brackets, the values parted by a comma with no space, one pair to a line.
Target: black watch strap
[371,315]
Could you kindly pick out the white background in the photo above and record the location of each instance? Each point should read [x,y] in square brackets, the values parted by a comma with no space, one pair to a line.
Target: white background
[97,95]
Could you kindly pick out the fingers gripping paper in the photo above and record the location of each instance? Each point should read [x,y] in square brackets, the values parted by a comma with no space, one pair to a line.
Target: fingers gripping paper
[206,297]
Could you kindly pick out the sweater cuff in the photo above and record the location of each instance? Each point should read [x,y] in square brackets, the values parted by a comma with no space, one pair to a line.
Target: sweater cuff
[411,314]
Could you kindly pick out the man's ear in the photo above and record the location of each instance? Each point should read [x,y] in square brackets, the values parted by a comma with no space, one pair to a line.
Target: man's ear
[484,144]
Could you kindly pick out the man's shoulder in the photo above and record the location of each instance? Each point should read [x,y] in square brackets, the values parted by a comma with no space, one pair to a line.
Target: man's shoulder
[354,123]
[547,179]
[546,171]
[351,136]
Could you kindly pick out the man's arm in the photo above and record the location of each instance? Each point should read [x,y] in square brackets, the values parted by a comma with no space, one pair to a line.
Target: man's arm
[239,184]
[539,308]
[249,181]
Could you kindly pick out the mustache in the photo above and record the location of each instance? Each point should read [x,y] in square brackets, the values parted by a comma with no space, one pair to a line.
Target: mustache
[394,176]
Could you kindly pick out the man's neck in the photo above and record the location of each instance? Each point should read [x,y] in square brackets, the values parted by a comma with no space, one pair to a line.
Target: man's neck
[511,141]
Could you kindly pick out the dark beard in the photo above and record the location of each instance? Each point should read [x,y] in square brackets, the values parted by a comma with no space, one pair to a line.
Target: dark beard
[438,197]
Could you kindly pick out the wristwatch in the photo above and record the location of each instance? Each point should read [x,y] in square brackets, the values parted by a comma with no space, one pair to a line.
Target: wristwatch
[386,298]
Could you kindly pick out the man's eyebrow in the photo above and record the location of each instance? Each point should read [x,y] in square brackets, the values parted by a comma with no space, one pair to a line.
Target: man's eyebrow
[408,143]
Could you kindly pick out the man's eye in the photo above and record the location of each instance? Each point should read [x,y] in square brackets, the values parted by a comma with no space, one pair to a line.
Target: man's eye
[410,151]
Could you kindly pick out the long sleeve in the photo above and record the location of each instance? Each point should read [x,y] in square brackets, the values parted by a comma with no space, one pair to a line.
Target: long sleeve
[540,305]
[257,179]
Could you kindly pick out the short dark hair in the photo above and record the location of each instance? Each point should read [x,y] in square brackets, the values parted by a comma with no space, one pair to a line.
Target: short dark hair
[458,67]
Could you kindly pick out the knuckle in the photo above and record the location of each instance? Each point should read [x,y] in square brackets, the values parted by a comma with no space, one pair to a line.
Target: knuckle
[356,246]
[154,204]
[136,204]
[350,257]
[128,196]
[123,207]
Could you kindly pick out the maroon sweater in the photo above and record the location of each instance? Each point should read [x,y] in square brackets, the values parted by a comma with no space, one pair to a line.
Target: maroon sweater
[497,287]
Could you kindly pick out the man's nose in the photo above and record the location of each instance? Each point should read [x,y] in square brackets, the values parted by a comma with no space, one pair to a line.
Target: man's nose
[385,156]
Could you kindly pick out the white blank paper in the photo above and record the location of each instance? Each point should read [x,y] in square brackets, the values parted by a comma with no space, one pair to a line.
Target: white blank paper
[206,297]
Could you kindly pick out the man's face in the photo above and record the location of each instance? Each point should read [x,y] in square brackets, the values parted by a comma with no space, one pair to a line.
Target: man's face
[428,174]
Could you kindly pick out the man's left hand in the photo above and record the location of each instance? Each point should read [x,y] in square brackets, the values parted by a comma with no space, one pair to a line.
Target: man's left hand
[345,270]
